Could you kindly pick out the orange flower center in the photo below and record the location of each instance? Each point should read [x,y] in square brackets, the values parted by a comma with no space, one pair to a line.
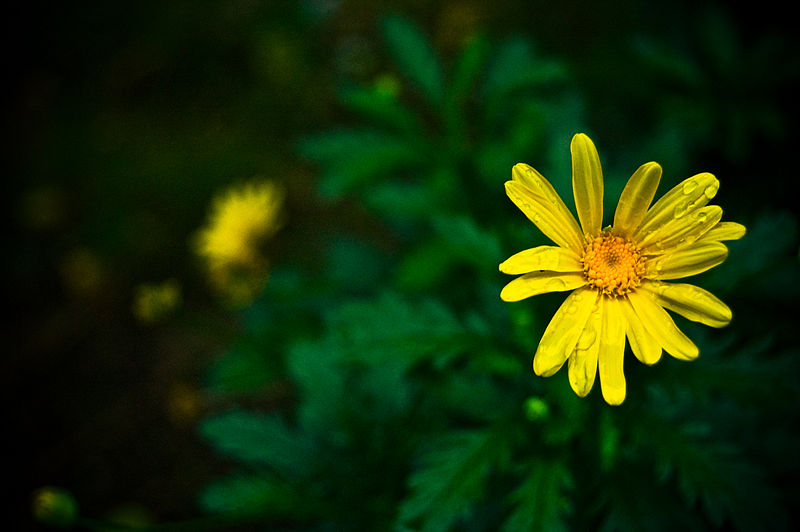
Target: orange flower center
[612,264]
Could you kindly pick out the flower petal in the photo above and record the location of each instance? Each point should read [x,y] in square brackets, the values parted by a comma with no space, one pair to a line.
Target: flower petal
[562,332]
[582,367]
[691,302]
[724,231]
[662,327]
[612,352]
[587,183]
[550,258]
[682,231]
[686,196]
[636,198]
[685,262]
[644,346]
[544,207]
[535,283]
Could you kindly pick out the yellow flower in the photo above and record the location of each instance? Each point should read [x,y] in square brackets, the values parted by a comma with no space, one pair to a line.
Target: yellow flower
[617,273]
[242,220]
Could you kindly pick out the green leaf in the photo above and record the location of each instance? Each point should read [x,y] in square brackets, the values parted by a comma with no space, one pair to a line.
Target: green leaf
[390,329]
[248,494]
[467,242]
[541,503]
[515,66]
[713,471]
[399,201]
[456,241]
[469,66]
[351,158]
[260,440]
[634,502]
[242,370]
[414,55]
[316,369]
[451,478]
[380,108]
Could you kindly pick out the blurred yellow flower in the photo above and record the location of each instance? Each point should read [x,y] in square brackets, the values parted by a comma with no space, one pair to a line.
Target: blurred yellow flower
[616,273]
[154,302]
[242,219]
[55,507]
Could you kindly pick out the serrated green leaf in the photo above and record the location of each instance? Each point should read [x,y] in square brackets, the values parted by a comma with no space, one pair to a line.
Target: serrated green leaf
[390,329]
[451,478]
[541,502]
[469,66]
[516,66]
[248,494]
[401,202]
[315,368]
[351,158]
[468,242]
[713,471]
[633,502]
[380,108]
[260,440]
[414,55]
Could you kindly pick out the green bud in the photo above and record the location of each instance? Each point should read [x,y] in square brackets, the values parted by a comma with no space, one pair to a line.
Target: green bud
[536,408]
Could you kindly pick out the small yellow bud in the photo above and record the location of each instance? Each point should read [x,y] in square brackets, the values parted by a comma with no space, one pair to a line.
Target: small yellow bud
[54,507]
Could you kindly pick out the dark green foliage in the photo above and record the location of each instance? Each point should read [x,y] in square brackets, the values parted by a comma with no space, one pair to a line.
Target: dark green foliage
[416,408]
[451,477]
[379,383]
[415,57]
[542,502]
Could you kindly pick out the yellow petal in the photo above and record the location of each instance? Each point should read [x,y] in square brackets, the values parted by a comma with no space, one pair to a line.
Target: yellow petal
[550,258]
[582,367]
[662,327]
[561,335]
[548,212]
[691,302]
[687,261]
[612,352]
[686,196]
[636,198]
[725,231]
[587,183]
[533,284]
[644,346]
[681,231]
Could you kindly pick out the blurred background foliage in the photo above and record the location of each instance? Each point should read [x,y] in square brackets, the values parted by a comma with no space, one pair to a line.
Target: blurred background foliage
[377,382]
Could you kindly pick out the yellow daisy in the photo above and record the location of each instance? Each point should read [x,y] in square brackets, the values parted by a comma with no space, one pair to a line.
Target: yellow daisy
[242,220]
[617,273]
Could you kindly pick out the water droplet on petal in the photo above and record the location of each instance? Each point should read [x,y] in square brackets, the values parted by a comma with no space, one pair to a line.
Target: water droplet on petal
[689,186]
[586,339]
[556,285]
[680,209]
[711,190]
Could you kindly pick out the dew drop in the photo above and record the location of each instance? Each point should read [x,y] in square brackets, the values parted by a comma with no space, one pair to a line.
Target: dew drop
[689,186]
[556,285]
[711,190]
[680,209]
[701,217]
[586,339]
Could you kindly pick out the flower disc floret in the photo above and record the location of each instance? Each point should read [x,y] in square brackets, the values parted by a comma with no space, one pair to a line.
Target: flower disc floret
[612,264]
